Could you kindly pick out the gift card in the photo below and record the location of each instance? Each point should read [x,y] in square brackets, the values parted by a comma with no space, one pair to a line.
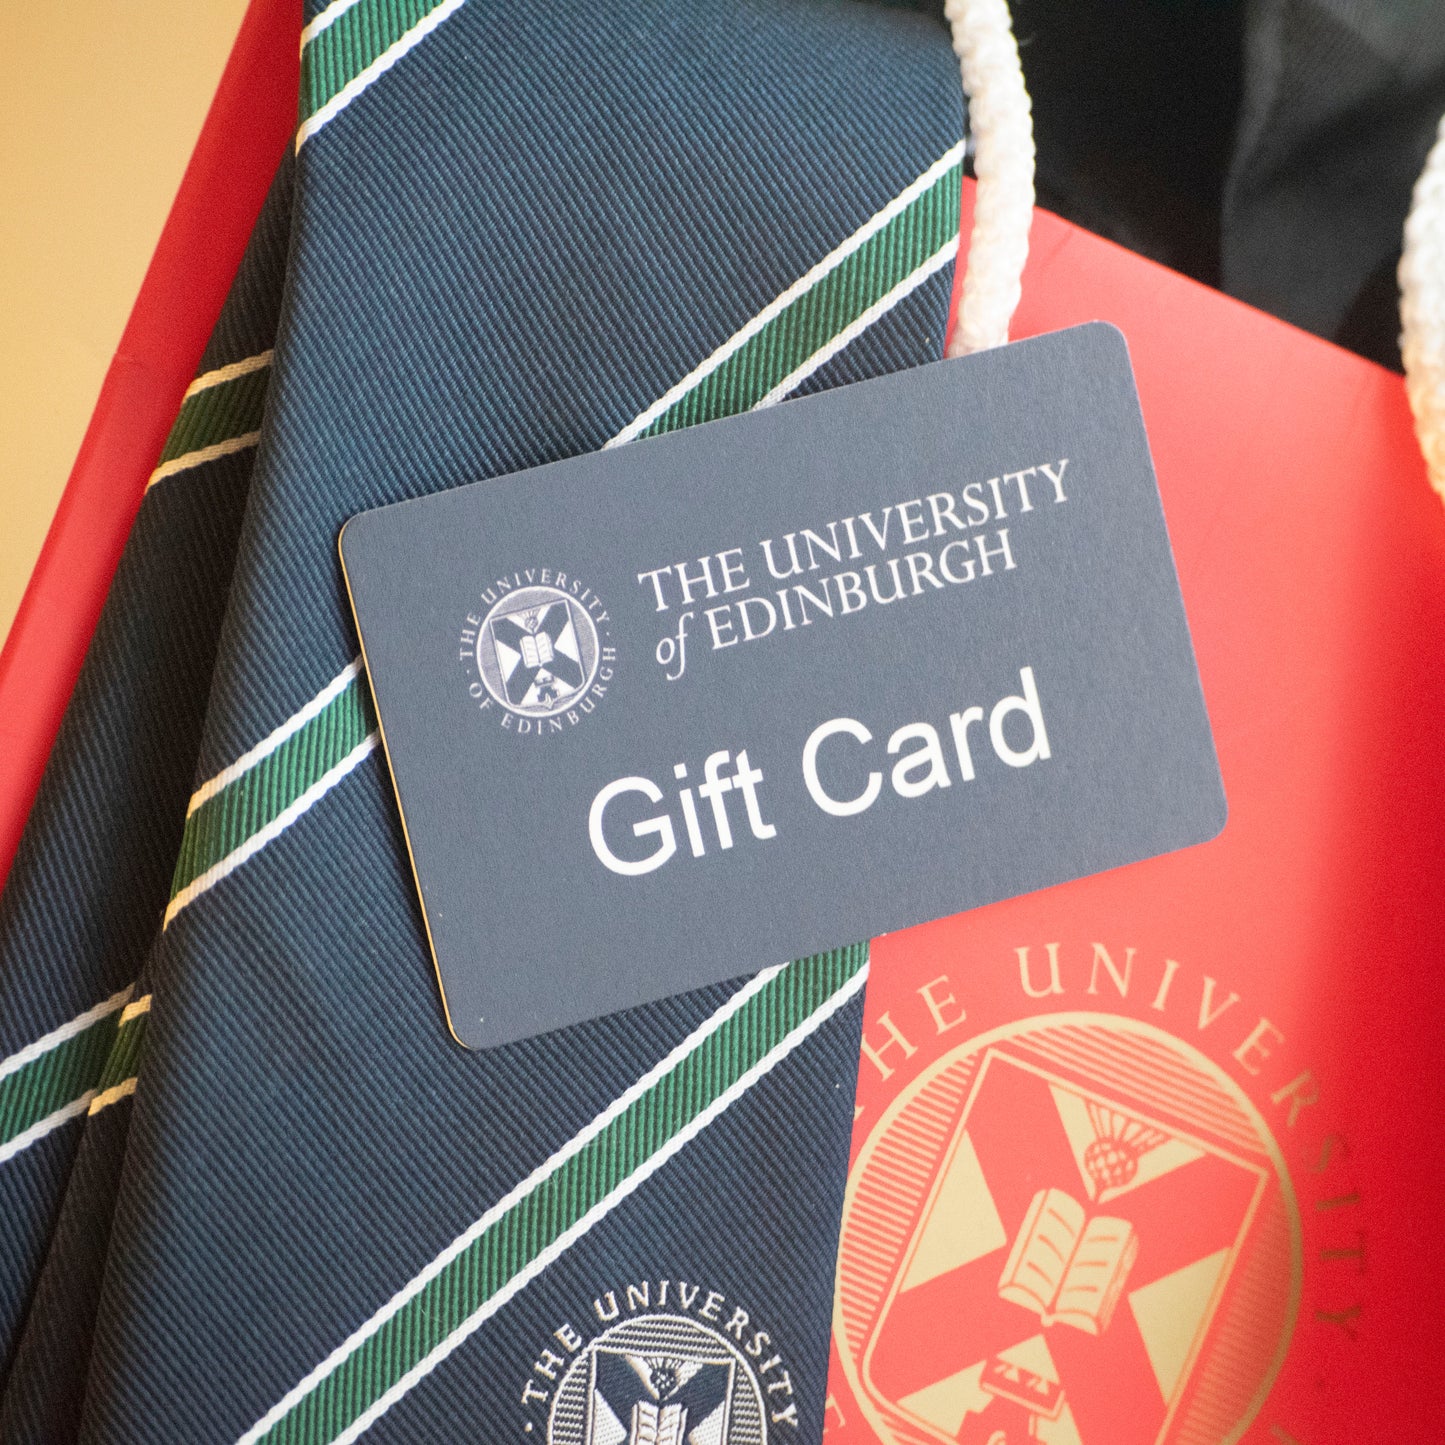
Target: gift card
[668,713]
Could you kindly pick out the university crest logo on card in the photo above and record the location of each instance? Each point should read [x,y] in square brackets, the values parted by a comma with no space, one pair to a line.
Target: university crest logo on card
[539,656]
[1074,1228]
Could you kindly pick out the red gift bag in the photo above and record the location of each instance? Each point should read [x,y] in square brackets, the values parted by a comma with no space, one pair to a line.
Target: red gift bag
[1154,1156]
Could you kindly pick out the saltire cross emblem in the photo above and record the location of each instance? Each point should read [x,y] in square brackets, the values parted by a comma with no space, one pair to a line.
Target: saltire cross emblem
[539,655]
[1063,1272]
[648,1399]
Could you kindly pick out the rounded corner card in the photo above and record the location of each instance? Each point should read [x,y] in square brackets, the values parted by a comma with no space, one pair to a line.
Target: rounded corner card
[664,714]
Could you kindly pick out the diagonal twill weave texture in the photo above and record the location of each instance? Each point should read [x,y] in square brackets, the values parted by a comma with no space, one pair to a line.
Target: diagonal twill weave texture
[221,826]
[752,1031]
[53,1078]
[907,242]
[81,906]
[69,1071]
[221,414]
[521,237]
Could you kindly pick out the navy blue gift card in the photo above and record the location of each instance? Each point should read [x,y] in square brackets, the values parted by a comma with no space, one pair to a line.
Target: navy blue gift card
[671,712]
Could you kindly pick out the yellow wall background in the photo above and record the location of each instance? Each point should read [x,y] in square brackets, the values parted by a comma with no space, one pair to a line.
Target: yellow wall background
[101,102]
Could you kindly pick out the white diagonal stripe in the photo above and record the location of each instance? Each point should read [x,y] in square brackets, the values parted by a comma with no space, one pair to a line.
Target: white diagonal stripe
[377,68]
[513,1197]
[274,739]
[55,1037]
[805,283]
[602,1208]
[271,831]
[325,20]
[44,1126]
[202,455]
[855,329]
[952,157]
[536,1178]
[207,379]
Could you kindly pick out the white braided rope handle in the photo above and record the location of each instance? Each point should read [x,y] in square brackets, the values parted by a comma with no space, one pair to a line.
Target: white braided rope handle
[1422,311]
[1003,161]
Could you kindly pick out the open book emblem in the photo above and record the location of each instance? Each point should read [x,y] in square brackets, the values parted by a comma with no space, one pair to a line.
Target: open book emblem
[655,1399]
[1066,1261]
[1067,1267]
[539,653]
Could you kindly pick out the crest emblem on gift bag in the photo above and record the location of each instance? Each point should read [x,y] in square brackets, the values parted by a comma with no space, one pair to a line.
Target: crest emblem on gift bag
[1094,1246]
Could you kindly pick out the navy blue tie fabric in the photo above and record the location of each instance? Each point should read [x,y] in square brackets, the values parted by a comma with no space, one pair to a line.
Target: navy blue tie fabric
[90,882]
[515,232]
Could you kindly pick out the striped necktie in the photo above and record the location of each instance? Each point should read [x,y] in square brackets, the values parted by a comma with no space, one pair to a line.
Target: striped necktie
[91,878]
[516,236]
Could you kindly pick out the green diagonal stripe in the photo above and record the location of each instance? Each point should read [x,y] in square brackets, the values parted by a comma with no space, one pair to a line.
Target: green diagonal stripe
[520,1235]
[240,810]
[60,1076]
[344,49]
[228,409]
[226,821]
[124,1057]
[889,256]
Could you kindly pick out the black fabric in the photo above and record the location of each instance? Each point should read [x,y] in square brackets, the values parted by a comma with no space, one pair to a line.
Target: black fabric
[1134,105]
[93,872]
[1341,103]
[1267,147]
[46,1383]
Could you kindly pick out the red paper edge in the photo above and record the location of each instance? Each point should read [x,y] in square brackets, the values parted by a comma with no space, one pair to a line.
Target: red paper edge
[246,130]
